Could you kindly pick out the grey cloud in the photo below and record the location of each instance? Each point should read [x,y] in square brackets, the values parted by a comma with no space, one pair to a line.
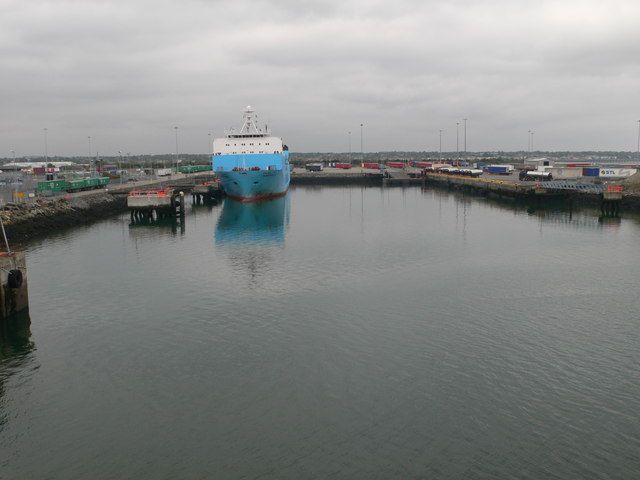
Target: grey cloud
[125,72]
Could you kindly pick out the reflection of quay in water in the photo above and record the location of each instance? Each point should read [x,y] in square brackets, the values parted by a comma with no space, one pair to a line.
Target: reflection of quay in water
[16,353]
[551,212]
[243,224]
[248,232]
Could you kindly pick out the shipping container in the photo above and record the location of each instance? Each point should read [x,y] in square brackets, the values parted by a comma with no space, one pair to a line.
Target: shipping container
[499,169]
[77,184]
[344,166]
[52,186]
[395,164]
[371,166]
[591,171]
[314,167]
[422,164]
[163,172]
[562,173]
[194,168]
[617,172]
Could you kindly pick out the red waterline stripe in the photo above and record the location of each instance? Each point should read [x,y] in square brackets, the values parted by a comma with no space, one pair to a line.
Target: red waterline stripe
[257,198]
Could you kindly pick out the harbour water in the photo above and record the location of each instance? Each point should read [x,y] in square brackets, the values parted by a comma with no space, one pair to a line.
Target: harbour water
[333,333]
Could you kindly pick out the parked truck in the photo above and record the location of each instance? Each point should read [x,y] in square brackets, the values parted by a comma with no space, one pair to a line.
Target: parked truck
[499,169]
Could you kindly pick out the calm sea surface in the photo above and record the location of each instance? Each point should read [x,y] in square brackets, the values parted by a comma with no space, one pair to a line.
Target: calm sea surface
[335,333]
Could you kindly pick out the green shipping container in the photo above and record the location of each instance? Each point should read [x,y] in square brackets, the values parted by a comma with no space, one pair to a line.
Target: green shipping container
[77,184]
[52,186]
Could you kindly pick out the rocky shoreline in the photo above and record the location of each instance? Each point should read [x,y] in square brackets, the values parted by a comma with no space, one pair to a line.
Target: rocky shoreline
[24,221]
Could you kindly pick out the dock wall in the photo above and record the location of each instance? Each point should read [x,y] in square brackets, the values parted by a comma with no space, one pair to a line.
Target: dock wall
[27,220]
[319,178]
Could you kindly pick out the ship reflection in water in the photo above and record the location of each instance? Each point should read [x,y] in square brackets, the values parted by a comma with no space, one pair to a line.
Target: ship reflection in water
[249,232]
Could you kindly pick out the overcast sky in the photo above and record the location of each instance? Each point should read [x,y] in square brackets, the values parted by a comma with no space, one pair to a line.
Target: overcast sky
[126,72]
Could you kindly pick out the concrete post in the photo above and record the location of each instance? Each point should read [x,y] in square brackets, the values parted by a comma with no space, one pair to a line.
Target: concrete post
[13,299]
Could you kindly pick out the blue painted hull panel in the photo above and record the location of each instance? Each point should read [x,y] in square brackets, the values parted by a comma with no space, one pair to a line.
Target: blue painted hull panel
[271,180]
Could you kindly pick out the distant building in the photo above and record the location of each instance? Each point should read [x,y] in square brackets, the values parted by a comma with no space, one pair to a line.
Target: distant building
[29,165]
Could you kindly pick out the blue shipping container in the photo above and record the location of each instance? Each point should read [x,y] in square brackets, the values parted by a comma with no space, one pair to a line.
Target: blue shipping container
[497,169]
[591,172]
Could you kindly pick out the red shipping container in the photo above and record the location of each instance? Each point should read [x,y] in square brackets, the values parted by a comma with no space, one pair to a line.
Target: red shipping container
[374,166]
[345,166]
[422,164]
[395,164]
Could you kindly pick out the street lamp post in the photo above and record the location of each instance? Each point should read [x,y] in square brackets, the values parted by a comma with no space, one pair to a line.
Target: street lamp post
[176,130]
[362,141]
[89,140]
[458,144]
[120,166]
[349,147]
[638,152]
[46,147]
[465,135]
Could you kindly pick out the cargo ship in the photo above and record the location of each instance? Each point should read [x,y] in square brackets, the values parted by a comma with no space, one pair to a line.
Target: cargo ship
[251,163]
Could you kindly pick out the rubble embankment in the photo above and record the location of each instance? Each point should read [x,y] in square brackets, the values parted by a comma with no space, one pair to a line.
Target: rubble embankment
[27,220]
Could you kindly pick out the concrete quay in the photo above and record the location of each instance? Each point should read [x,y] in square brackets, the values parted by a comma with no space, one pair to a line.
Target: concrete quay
[336,176]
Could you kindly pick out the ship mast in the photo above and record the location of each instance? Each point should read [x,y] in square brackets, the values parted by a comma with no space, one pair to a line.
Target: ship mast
[249,126]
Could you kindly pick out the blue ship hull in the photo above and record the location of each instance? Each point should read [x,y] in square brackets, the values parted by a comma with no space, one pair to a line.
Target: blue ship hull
[252,177]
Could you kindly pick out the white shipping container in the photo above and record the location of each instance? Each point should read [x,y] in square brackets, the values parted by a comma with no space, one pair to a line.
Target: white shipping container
[617,172]
[559,173]
[163,172]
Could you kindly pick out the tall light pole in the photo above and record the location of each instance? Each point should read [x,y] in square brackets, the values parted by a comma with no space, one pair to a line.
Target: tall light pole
[46,147]
[529,141]
[362,141]
[532,140]
[176,130]
[89,140]
[458,143]
[349,146]
[13,154]
[120,165]
[639,140]
[440,147]
[210,145]
[465,135]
